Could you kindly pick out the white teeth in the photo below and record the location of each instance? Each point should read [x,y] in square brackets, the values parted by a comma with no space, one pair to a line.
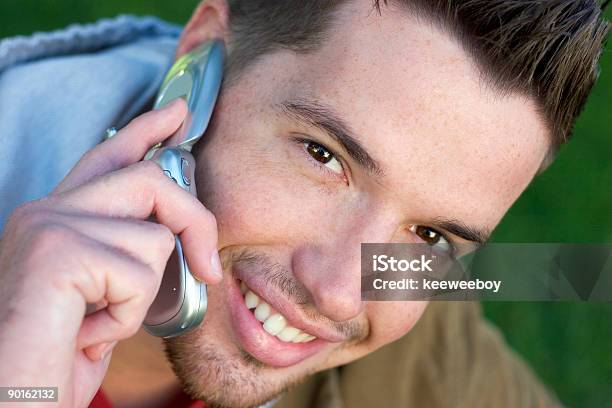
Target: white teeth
[274,323]
[288,333]
[262,311]
[251,300]
[300,338]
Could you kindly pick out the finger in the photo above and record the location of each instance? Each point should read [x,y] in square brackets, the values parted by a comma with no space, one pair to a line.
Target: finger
[142,190]
[128,146]
[128,285]
[99,351]
[70,270]
[149,242]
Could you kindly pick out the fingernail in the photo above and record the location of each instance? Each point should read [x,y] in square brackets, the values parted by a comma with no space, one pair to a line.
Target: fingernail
[215,264]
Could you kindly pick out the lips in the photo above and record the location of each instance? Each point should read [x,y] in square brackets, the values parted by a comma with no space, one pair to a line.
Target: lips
[280,340]
[296,316]
[274,323]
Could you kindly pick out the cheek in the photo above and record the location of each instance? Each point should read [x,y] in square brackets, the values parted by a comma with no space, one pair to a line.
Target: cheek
[256,196]
[391,320]
[237,198]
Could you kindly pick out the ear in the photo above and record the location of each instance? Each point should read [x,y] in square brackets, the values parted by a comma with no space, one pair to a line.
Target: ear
[209,21]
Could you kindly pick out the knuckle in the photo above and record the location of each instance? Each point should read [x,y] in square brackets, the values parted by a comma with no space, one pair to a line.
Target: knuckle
[95,159]
[149,170]
[150,284]
[14,223]
[48,253]
[22,213]
[166,238]
[161,237]
[28,217]
[37,217]
[100,159]
[48,236]
[42,246]
[160,242]
[144,281]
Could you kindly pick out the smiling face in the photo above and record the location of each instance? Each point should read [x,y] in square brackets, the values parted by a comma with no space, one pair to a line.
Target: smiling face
[383,134]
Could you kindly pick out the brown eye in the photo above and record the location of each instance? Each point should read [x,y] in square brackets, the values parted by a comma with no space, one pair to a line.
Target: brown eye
[433,238]
[324,156]
[319,153]
[428,235]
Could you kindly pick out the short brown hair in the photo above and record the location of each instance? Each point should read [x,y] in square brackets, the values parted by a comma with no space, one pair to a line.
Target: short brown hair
[546,49]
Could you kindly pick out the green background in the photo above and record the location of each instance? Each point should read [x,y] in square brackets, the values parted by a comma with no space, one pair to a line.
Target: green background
[568,344]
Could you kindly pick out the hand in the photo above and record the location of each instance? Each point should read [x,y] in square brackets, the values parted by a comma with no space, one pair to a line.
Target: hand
[89,242]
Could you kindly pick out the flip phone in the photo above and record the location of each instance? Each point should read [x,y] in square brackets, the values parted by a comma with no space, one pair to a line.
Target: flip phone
[181,303]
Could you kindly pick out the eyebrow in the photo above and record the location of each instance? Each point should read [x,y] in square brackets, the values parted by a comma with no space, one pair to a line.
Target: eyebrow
[462,230]
[315,114]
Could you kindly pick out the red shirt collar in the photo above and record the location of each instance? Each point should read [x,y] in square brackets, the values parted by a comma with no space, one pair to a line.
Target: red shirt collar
[181,401]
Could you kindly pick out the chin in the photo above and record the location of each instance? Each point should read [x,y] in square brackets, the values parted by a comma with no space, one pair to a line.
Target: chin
[222,377]
[235,359]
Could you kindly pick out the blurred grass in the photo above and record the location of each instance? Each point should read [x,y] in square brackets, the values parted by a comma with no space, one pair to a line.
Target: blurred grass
[568,344]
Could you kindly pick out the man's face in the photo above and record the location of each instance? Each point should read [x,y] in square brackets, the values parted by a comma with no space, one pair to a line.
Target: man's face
[384,134]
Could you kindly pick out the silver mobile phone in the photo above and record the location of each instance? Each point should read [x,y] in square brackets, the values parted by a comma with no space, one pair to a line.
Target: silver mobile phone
[181,303]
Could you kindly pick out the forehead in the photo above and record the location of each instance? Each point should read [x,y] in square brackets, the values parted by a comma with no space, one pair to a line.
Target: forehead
[415,100]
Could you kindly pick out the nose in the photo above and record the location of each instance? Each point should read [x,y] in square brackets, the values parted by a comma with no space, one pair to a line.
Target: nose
[331,268]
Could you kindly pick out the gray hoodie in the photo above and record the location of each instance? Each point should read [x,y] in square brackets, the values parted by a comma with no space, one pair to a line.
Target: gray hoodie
[60,91]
